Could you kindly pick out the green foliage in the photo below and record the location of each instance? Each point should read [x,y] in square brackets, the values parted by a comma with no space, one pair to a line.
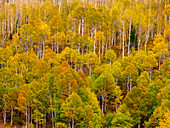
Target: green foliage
[83,64]
[122,118]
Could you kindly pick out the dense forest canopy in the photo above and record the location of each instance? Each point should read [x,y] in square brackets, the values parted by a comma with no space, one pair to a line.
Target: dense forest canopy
[91,63]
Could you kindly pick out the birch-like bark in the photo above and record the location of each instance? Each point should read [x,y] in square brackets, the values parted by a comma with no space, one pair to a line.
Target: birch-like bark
[4,116]
[72,123]
[123,39]
[102,48]
[69,123]
[12,113]
[53,125]
[140,34]
[147,37]
[129,36]
[95,40]
[79,34]
[11,25]
[90,70]
[29,114]
[139,122]
[106,46]
[59,5]
[82,31]
[120,44]
[26,118]
[159,63]
[150,74]
[127,84]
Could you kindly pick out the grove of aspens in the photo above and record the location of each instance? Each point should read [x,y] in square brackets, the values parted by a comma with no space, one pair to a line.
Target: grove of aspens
[84,63]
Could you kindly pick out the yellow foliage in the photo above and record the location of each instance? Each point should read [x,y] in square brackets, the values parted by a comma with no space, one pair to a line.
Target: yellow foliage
[165,122]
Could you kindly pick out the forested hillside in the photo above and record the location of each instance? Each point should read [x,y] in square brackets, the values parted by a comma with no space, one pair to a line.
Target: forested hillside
[85,64]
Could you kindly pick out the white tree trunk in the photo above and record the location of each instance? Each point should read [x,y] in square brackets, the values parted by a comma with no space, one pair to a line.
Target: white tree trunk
[4,116]
[147,37]
[12,113]
[139,122]
[95,40]
[129,37]
[26,117]
[72,123]
[140,34]
[127,84]
[123,39]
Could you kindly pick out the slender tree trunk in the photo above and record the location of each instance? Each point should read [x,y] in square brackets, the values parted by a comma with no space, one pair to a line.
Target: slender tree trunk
[26,45]
[147,37]
[109,43]
[29,114]
[82,32]
[123,39]
[127,84]
[8,24]
[69,93]
[4,116]
[79,26]
[139,122]
[11,25]
[95,40]
[159,63]
[102,48]
[53,123]
[59,5]
[129,36]
[79,36]
[26,117]
[116,80]
[69,123]
[106,46]
[140,34]
[12,113]
[90,70]
[120,44]
[55,49]
[150,74]
[115,39]
[72,123]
